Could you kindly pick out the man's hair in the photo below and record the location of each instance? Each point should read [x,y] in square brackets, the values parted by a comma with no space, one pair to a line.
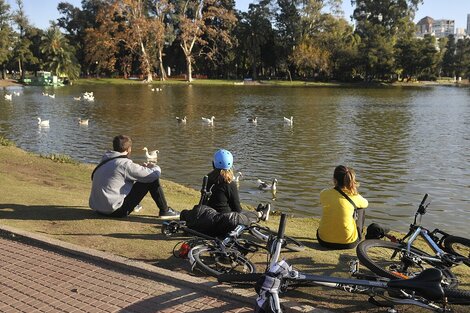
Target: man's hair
[121,143]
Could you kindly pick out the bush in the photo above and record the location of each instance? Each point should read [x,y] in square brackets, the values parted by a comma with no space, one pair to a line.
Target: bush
[59,158]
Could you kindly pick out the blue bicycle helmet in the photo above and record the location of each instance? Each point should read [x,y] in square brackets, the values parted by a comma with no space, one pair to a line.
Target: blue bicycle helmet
[223,159]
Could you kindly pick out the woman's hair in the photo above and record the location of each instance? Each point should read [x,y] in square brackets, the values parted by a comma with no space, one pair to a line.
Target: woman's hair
[121,143]
[345,178]
[221,176]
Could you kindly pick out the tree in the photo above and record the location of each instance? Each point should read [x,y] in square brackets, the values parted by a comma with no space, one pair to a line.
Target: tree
[196,18]
[378,23]
[22,49]
[161,30]
[462,67]
[449,57]
[59,54]
[75,22]
[6,35]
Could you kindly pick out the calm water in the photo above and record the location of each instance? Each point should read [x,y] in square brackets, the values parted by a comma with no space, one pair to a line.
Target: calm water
[403,142]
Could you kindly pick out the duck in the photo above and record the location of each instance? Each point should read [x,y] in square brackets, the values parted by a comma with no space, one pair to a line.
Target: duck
[253,120]
[83,122]
[289,121]
[181,120]
[44,123]
[88,96]
[8,97]
[209,121]
[238,177]
[16,93]
[151,155]
[77,98]
[52,96]
[267,186]
[45,94]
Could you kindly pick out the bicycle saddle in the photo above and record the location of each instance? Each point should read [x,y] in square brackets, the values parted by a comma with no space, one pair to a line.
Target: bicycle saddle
[427,284]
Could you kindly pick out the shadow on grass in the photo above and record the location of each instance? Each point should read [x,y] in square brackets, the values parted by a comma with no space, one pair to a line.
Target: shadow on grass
[61,213]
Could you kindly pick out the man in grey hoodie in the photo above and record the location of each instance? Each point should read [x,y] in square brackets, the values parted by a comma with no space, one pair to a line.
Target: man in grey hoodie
[119,184]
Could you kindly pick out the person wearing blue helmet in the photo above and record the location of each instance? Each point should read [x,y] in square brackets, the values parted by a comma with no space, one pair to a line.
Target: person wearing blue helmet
[224,191]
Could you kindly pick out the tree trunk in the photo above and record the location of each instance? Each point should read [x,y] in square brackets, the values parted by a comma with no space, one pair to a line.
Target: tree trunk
[253,71]
[189,68]
[145,58]
[20,68]
[162,69]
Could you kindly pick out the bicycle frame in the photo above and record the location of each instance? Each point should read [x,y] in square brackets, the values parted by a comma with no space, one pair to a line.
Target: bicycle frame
[280,274]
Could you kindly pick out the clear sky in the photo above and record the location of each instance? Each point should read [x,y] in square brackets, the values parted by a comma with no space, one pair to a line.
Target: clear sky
[40,12]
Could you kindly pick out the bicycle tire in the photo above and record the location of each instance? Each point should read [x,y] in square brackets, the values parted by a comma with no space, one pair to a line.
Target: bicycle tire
[457,296]
[377,255]
[214,262]
[459,246]
[291,244]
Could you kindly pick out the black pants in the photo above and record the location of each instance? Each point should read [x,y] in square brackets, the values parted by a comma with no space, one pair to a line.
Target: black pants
[138,192]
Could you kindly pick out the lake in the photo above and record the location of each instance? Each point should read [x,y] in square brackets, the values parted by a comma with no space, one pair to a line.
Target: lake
[403,142]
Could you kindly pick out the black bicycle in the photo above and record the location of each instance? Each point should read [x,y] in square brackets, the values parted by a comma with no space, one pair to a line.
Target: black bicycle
[399,258]
[424,290]
[215,256]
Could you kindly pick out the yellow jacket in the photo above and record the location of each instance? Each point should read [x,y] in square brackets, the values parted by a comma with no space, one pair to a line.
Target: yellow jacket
[337,224]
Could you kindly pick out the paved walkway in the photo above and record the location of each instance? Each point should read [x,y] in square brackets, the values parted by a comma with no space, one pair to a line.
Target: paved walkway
[34,279]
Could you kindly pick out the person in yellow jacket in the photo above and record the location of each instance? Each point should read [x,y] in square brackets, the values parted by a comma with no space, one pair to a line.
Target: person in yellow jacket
[338,228]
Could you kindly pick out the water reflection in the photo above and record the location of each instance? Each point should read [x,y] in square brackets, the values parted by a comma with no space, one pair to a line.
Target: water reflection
[402,142]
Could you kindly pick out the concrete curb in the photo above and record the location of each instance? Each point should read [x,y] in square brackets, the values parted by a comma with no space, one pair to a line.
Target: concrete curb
[245,296]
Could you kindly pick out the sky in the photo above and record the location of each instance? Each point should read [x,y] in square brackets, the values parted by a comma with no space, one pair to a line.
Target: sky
[40,12]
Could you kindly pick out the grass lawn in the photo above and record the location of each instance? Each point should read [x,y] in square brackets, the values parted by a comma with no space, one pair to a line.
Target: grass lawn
[48,197]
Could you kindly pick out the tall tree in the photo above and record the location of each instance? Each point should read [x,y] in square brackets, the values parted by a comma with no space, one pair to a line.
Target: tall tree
[161,30]
[196,18]
[378,23]
[59,54]
[6,35]
[22,50]
[449,57]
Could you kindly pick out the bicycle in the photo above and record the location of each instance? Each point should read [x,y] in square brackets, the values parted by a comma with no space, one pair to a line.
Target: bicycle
[400,259]
[424,290]
[215,256]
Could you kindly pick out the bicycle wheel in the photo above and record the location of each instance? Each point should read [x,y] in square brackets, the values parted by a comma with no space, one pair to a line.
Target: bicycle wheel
[390,259]
[214,262]
[457,296]
[263,234]
[458,246]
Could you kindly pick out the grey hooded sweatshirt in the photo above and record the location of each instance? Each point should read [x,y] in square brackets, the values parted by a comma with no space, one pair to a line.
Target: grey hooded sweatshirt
[113,181]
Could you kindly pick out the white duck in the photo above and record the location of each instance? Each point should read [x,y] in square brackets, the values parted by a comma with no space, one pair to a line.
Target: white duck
[83,122]
[77,98]
[289,121]
[208,121]
[44,123]
[151,155]
[253,120]
[8,97]
[181,120]
[238,177]
[267,186]
[52,96]
[16,93]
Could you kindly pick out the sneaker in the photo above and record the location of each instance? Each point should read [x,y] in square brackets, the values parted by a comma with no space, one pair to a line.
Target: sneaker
[169,214]
[265,212]
[260,207]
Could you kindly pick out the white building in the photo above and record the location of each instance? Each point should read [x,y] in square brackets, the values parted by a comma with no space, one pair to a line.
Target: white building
[439,28]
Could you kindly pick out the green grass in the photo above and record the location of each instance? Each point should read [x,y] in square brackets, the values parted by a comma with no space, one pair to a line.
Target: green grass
[59,158]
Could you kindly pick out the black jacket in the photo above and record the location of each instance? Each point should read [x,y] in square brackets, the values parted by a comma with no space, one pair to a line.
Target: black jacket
[224,197]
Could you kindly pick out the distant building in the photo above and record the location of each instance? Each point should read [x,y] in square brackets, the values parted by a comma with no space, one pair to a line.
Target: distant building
[424,26]
[443,28]
[468,24]
[439,28]
[460,33]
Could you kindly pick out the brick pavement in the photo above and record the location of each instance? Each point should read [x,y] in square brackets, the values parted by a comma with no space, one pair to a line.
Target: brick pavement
[35,279]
